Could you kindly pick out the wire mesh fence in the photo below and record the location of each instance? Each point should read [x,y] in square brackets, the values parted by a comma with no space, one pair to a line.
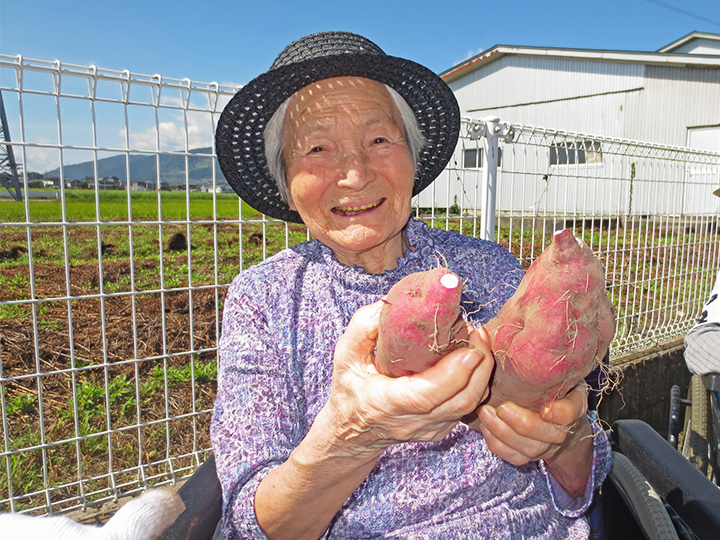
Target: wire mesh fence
[647,210]
[112,278]
[111,298]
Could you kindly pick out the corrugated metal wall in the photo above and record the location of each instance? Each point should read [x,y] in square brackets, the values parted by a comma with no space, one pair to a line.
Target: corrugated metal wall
[618,99]
[574,95]
[549,172]
[674,99]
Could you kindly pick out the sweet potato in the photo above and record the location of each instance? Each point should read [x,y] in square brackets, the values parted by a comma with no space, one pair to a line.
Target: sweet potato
[551,334]
[420,322]
[555,329]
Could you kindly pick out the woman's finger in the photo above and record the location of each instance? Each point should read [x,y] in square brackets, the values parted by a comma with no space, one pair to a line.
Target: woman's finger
[460,379]
[516,434]
[502,450]
[478,387]
[424,392]
[359,339]
[505,444]
[531,425]
[521,430]
[566,411]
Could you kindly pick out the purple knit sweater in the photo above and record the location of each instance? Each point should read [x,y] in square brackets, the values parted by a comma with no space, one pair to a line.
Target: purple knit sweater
[281,321]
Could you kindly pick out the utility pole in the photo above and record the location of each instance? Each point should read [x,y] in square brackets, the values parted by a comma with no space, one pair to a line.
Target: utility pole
[8,166]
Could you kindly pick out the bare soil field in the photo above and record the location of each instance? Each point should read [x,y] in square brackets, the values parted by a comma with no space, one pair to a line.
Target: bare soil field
[122,362]
[118,374]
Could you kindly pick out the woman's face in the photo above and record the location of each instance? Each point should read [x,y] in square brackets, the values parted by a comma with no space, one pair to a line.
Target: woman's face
[350,170]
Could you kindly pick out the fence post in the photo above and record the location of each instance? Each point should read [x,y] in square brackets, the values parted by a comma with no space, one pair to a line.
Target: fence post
[490,130]
[489,178]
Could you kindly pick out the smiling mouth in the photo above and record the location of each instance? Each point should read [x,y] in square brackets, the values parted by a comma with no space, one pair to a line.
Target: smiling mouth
[354,210]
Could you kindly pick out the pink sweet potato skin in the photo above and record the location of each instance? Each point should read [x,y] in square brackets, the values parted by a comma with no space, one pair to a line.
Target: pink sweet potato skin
[420,323]
[555,329]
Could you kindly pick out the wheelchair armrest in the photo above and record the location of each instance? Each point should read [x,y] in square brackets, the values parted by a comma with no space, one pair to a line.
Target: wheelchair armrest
[695,498]
[202,495]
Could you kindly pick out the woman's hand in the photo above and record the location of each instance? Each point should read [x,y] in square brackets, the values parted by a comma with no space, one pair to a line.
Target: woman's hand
[370,411]
[366,413]
[560,434]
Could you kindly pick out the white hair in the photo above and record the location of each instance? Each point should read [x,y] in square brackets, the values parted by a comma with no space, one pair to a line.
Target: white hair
[274,136]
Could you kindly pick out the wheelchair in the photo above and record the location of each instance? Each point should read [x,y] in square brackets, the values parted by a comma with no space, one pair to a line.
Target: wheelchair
[652,492]
[698,437]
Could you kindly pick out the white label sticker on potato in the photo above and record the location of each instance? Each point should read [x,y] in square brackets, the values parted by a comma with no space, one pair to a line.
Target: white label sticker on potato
[449,281]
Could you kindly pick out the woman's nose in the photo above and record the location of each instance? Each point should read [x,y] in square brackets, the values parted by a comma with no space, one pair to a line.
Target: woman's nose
[355,170]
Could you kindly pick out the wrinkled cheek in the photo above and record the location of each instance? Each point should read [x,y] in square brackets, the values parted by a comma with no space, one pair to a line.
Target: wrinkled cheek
[308,179]
[405,205]
[305,192]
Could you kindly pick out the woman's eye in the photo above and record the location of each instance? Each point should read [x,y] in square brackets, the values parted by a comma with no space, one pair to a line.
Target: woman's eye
[379,140]
[316,149]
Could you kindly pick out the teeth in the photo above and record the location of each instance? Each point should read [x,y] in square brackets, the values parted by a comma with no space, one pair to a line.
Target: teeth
[357,208]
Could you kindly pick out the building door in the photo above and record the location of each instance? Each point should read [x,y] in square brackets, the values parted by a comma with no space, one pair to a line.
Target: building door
[704,138]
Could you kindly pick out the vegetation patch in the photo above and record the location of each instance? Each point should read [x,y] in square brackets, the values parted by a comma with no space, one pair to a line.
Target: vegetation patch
[121,365]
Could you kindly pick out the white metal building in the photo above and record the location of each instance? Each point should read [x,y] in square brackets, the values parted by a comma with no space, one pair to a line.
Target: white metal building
[671,96]
[590,98]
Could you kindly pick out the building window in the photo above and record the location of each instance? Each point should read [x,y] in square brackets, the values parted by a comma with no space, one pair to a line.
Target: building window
[472,158]
[575,153]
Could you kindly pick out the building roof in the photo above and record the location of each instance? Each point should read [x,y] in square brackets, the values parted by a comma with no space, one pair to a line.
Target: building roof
[686,39]
[662,57]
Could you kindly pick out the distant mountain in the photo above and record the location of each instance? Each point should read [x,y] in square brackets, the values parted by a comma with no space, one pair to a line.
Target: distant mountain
[143,168]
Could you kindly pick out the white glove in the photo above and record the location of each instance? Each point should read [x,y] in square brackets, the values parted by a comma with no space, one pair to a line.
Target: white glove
[143,518]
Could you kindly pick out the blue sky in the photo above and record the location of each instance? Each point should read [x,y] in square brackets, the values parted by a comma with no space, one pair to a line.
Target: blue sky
[230,42]
[234,41]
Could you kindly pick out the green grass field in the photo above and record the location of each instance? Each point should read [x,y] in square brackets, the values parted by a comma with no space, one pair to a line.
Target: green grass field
[130,262]
[80,205]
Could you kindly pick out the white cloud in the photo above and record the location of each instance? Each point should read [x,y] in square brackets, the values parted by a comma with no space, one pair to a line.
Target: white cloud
[197,125]
[38,159]
[173,134]
[231,84]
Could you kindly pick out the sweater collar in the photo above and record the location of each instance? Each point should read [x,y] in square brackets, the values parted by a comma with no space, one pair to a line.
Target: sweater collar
[421,248]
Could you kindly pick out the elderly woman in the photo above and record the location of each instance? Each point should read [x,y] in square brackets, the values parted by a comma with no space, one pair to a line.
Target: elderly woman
[310,440]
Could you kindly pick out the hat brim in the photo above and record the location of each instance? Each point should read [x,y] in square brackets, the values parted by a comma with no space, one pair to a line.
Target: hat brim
[239,135]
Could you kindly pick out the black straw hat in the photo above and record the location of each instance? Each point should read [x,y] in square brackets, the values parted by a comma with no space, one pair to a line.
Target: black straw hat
[239,136]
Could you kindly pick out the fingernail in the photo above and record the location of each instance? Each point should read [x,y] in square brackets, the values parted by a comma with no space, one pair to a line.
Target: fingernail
[486,414]
[506,412]
[546,413]
[472,359]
